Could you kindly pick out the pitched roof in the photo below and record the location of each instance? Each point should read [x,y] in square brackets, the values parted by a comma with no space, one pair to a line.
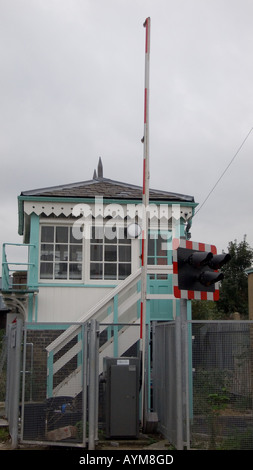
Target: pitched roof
[104,187]
[107,188]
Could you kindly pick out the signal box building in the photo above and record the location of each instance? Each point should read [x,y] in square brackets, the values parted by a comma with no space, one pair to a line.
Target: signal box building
[84,262]
[84,243]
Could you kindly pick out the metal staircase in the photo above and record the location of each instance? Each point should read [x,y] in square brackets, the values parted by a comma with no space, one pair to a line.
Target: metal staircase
[117,315]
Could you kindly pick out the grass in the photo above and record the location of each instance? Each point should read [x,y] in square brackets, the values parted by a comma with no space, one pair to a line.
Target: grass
[4,434]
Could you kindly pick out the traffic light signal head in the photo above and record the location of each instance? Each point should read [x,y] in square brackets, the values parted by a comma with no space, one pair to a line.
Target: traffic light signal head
[218,261]
[195,272]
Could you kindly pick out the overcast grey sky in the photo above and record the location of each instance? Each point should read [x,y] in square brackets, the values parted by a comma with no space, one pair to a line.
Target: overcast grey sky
[72,89]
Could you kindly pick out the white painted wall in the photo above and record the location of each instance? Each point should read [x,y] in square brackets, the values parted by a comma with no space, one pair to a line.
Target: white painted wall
[67,304]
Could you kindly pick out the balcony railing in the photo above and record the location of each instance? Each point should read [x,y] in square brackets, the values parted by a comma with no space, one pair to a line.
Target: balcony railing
[14,274]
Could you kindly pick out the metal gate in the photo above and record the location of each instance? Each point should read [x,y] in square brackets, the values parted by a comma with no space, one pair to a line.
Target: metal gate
[55,392]
[170,381]
[52,399]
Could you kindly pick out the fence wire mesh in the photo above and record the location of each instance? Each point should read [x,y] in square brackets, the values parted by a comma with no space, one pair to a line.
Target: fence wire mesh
[63,391]
[221,408]
[54,390]
[3,364]
[213,388]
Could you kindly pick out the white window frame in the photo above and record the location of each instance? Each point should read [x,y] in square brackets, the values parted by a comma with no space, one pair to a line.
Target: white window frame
[86,280]
[110,225]
[55,224]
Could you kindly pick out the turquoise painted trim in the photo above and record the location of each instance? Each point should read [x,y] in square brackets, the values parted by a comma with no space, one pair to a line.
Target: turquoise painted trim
[36,308]
[80,354]
[5,271]
[30,307]
[109,328]
[48,326]
[20,216]
[178,310]
[50,376]
[115,328]
[33,259]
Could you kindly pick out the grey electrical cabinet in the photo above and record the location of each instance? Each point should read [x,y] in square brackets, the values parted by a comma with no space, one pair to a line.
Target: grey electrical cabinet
[122,379]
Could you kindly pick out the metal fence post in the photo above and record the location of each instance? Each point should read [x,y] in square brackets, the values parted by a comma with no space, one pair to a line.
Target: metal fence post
[93,391]
[14,381]
[84,378]
[179,402]
[186,365]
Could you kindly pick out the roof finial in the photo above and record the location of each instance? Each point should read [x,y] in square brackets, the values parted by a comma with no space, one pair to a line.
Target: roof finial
[100,168]
[95,175]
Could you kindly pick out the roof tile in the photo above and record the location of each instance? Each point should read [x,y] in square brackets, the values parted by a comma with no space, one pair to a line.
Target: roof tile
[106,188]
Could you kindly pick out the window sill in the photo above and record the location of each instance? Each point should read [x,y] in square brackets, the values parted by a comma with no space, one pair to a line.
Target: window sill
[73,284]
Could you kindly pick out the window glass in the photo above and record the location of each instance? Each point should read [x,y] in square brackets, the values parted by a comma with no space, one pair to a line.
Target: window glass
[61,252]
[75,271]
[125,253]
[46,270]
[124,270]
[47,234]
[157,249]
[112,253]
[62,234]
[110,271]
[61,255]
[75,253]
[61,270]
[47,252]
[96,270]
[96,252]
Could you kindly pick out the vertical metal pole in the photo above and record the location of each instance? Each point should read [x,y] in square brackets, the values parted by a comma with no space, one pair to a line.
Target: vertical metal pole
[92,382]
[96,377]
[187,362]
[145,200]
[16,384]
[182,374]
[84,378]
[179,402]
[23,383]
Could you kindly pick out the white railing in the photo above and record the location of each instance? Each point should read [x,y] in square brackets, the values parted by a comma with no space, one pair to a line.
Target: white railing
[119,312]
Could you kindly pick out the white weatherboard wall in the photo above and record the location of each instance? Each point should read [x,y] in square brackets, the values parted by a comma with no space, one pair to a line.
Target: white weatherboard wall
[61,304]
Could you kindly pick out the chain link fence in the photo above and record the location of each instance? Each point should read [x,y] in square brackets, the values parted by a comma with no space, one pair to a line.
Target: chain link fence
[203,389]
[201,381]
[54,390]
[222,379]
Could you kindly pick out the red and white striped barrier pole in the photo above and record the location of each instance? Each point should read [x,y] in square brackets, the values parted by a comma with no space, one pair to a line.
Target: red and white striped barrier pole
[145,203]
[145,192]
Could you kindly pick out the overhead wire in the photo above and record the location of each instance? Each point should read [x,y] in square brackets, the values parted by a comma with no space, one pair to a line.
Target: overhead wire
[227,167]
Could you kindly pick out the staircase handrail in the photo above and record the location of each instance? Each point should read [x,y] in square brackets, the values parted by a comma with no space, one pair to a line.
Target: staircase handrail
[93,311]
